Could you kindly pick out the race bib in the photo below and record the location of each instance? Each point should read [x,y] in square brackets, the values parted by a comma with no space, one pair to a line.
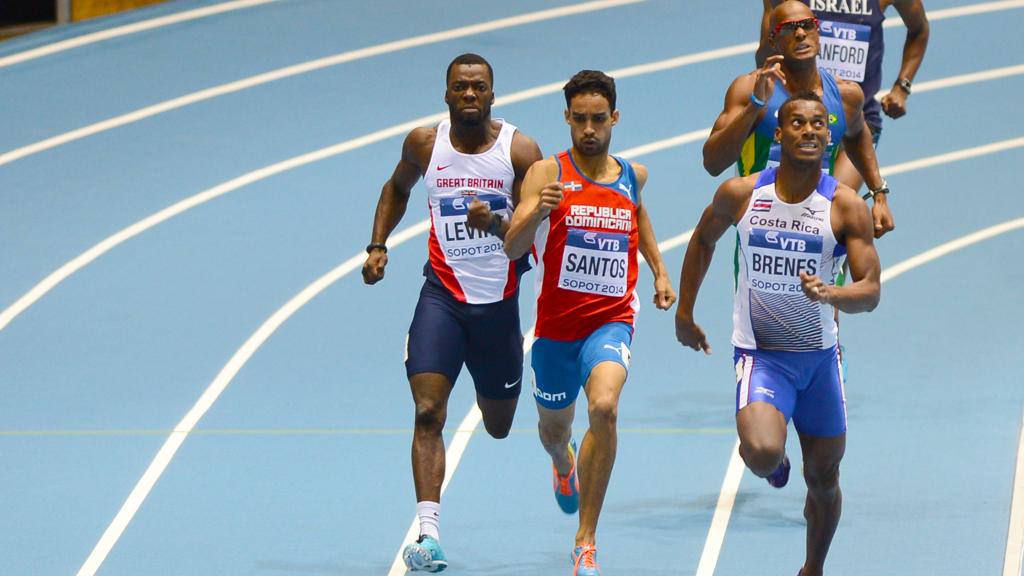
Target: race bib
[458,240]
[595,262]
[844,49]
[777,257]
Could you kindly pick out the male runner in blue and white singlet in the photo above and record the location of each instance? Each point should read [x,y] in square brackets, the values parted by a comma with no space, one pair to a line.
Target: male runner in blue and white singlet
[794,225]
[468,310]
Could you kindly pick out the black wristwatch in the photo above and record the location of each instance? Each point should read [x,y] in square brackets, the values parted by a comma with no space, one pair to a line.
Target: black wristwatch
[904,84]
[376,246]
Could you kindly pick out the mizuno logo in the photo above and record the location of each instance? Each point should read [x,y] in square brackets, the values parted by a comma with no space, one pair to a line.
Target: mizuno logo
[812,212]
[512,385]
[440,168]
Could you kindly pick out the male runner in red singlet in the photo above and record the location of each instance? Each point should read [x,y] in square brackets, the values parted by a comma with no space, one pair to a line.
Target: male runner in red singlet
[583,212]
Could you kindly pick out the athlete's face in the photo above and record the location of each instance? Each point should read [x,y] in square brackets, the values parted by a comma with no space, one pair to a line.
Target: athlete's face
[803,132]
[590,120]
[469,96]
[795,31]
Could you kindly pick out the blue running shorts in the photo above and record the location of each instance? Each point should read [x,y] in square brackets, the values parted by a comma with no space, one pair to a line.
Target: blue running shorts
[561,368]
[805,386]
[446,333]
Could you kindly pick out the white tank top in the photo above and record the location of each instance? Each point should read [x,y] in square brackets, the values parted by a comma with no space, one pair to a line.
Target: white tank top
[471,264]
[778,241]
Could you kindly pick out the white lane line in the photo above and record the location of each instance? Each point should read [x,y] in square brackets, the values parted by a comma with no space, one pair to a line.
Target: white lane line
[994,74]
[723,510]
[716,534]
[1015,535]
[219,384]
[303,68]
[104,246]
[102,35]
[313,65]
[212,392]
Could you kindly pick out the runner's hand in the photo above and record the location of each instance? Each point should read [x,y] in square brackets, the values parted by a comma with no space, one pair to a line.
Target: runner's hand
[690,334]
[479,215]
[664,294]
[550,197]
[882,216]
[815,289]
[765,77]
[894,104]
[373,268]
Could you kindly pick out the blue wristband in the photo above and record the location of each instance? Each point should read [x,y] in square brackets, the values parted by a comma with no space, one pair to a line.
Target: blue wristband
[757,102]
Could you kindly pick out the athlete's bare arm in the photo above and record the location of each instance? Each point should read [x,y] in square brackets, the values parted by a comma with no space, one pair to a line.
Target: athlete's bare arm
[740,115]
[664,294]
[725,210]
[394,197]
[764,48]
[540,194]
[524,152]
[861,152]
[894,104]
[852,226]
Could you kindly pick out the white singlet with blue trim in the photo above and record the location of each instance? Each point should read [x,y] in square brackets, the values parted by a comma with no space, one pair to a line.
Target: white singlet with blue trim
[778,241]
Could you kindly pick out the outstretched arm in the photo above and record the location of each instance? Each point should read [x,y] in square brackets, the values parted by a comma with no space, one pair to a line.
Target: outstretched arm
[394,197]
[664,294]
[725,210]
[852,223]
[894,104]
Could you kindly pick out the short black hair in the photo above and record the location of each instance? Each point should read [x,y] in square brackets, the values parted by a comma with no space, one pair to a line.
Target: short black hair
[806,95]
[590,81]
[469,58]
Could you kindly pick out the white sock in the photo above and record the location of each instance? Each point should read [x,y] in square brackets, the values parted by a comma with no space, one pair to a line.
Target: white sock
[430,519]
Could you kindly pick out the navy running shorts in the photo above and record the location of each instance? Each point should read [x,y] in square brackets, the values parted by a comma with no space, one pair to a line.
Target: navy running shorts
[446,333]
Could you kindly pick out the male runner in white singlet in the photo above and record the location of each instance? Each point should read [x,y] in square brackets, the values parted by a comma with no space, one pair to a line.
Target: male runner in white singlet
[468,310]
[794,225]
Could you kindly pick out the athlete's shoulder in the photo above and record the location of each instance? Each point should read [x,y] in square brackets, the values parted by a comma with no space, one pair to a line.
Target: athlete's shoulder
[546,167]
[737,189]
[419,145]
[524,149]
[850,91]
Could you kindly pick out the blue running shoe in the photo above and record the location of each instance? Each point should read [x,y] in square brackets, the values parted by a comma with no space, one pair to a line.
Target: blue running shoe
[424,555]
[584,562]
[567,488]
[780,477]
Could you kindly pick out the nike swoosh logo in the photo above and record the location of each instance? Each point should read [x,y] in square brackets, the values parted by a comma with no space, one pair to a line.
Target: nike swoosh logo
[512,385]
[439,167]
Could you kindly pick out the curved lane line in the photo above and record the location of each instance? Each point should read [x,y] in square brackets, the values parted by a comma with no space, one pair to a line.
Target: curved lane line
[126,30]
[303,68]
[731,485]
[229,371]
[312,65]
[104,246]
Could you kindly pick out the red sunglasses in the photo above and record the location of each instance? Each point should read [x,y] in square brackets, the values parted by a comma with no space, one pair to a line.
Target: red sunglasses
[790,26]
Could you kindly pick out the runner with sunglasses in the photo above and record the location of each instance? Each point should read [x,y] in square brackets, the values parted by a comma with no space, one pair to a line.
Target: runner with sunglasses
[852,47]
[745,130]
